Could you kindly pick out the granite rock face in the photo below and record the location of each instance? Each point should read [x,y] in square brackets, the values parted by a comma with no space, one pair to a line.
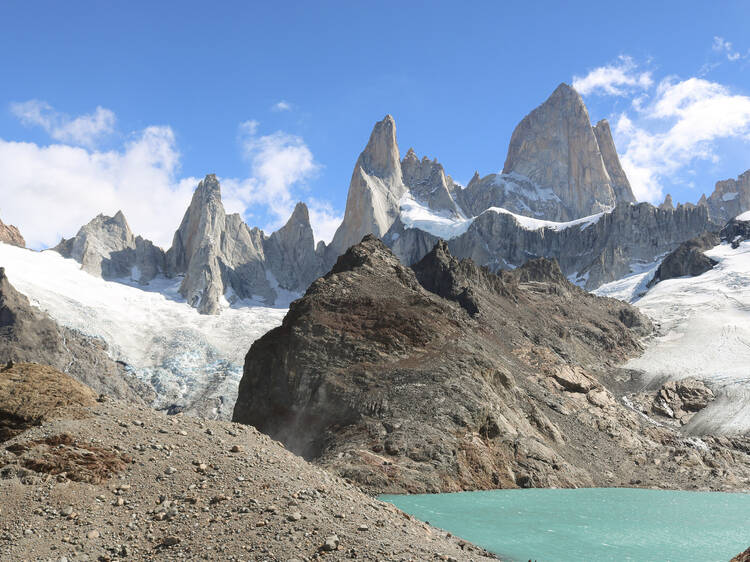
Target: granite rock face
[620,182]
[428,183]
[29,335]
[219,258]
[376,187]
[10,234]
[555,147]
[290,252]
[107,248]
[216,252]
[590,252]
[730,198]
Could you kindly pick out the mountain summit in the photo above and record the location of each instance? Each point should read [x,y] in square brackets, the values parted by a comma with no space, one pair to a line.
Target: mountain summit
[555,147]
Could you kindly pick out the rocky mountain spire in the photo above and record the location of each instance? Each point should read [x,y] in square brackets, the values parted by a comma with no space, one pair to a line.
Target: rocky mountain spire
[216,252]
[9,234]
[620,183]
[555,147]
[374,191]
[290,252]
[667,205]
[106,247]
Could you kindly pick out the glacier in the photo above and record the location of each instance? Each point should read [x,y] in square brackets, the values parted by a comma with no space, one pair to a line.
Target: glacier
[193,361]
[703,332]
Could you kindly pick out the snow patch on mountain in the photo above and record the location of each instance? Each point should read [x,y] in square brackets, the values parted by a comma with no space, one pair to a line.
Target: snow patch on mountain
[414,214]
[193,361]
[530,223]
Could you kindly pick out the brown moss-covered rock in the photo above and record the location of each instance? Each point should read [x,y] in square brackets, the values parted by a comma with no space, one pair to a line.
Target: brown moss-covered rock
[32,393]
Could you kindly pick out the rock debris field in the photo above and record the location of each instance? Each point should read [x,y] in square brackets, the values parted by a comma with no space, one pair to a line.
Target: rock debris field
[108,481]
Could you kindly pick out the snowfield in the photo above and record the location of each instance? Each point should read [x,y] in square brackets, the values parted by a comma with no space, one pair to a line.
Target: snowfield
[190,360]
[704,332]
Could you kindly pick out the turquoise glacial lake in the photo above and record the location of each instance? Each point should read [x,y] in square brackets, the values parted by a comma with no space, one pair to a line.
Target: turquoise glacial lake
[591,524]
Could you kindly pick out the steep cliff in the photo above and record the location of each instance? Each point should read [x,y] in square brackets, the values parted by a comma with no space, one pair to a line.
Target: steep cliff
[372,203]
[555,147]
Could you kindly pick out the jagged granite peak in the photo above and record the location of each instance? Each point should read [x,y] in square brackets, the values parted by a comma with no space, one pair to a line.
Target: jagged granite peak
[9,234]
[730,198]
[290,252]
[667,204]
[381,157]
[375,189]
[620,182]
[429,184]
[107,248]
[218,254]
[555,147]
[27,334]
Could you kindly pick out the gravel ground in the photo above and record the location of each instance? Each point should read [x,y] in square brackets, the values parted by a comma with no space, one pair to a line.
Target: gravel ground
[132,483]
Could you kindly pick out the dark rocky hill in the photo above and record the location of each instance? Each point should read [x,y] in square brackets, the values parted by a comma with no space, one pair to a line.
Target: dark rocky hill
[448,377]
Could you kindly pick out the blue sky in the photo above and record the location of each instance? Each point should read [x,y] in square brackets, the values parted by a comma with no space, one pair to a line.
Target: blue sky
[127,105]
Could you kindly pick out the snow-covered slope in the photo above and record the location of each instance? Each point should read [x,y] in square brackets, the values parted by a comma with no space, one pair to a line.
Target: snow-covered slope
[414,214]
[704,333]
[191,360]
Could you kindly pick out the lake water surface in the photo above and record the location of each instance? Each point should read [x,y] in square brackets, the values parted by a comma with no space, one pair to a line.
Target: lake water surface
[591,524]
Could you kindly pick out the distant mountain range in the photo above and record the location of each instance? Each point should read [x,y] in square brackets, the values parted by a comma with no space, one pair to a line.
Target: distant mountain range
[562,194]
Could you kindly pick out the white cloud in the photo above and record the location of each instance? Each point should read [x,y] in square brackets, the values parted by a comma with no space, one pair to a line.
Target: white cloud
[51,191]
[616,79]
[84,130]
[721,45]
[282,105]
[280,165]
[680,126]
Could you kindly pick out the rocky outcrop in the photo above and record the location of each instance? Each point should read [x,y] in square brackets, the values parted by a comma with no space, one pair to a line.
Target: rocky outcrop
[555,147]
[681,399]
[290,252]
[688,259]
[735,231]
[449,377]
[106,247]
[730,198]
[400,388]
[667,204]
[372,203]
[10,234]
[28,335]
